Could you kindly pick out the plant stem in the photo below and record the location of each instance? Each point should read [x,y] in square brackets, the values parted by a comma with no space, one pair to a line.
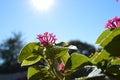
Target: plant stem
[51,69]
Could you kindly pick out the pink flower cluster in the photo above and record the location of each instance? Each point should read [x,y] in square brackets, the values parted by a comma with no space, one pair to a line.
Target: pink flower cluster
[114,23]
[47,38]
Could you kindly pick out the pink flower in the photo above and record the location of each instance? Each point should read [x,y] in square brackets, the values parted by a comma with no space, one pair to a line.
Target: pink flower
[113,23]
[47,38]
[61,66]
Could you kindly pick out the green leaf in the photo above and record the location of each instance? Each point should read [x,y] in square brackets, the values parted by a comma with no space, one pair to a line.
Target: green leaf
[65,57]
[113,47]
[32,59]
[31,72]
[40,50]
[28,50]
[114,69]
[111,35]
[75,61]
[115,62]
[103,36]
[36,73]
[110,42]
[56,52]
[98,57]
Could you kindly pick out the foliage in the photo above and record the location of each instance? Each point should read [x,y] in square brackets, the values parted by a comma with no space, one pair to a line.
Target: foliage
[47,61]
[9,49]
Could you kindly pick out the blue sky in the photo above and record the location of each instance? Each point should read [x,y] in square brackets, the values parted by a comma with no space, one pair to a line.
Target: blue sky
[69,19]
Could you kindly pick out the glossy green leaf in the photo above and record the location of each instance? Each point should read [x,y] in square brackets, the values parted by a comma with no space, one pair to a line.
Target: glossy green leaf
[110,42]
[28,50]
[113,47]
[107,36]
[115,62]
[75,61]
[56,52]
[97,57]
[36,73]
[110,37]
[32,71]
[103,36]
[65,57]
[32,59]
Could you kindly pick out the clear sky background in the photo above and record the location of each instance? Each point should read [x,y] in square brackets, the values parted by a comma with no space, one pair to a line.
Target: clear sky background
[68,19]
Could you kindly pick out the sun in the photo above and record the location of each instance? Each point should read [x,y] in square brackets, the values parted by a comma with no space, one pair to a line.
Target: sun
[42,5]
